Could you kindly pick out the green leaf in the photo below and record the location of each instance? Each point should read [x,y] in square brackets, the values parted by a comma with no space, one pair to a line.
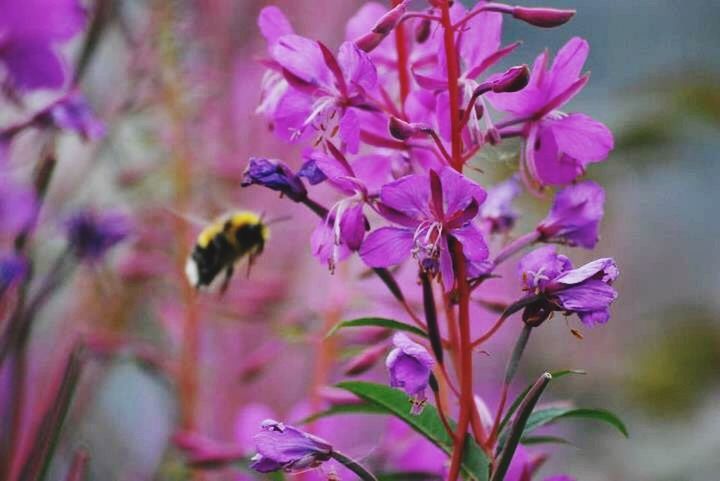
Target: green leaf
[546,416]
[530,440]
[521,396]
[376,322]
[475,464]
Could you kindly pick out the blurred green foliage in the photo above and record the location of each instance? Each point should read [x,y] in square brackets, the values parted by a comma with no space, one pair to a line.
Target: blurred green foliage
[674,370]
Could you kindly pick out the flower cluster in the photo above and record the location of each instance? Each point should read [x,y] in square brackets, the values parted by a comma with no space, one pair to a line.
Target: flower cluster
[393,123]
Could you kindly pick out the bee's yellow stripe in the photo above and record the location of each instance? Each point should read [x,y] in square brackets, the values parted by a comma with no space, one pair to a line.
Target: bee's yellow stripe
[236,219]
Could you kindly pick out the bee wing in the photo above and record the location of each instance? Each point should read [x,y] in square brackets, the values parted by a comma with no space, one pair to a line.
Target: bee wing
[189,218]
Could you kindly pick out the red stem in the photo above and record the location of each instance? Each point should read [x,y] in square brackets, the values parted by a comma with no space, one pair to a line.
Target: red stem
[402,60]
[453,74]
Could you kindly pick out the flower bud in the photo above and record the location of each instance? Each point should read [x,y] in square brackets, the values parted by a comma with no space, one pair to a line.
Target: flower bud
[402,130]
[369,41]
[543,17]
[381,29]
[514,79]
[422,30]
[283,447]
[274,175]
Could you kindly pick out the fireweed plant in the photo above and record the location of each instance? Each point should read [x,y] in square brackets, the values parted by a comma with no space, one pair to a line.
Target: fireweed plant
[392,120]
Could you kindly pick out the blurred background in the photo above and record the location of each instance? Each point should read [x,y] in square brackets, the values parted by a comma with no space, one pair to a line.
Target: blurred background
[177,84]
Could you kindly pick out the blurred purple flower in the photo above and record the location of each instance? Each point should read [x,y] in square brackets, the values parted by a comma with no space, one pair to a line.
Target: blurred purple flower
[29,32]
[12,269]
[73,113]
[410,366]
[558,146]
[274,175]
[586,291]
[575,215]
[91,234]
[430,210]
[497,212]
[283,447]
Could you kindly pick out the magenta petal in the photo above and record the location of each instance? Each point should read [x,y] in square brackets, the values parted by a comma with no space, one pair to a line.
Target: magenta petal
[387,246]
[481,37]
[459,191]
[356,66]
[373,170]
[352,227]
[350,131]
[273,24]
[409,365]
[324,248]
[32,64]
[442,109]
[364,20]
[303,58]
[575,215]
[290,114]
[473,242]
[582,137]
[408,195]
[568,64]
[551,166]
[528,100]
[538,267]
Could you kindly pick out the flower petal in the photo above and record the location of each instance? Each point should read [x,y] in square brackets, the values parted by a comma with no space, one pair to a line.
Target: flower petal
[552,167]
[473,242]
[352,226]
[408,195]
[459,191]
[273,24]
[591,295]
[582,137]
[604,269]
[568,64]
[356,66]
[386,246]
[303,58]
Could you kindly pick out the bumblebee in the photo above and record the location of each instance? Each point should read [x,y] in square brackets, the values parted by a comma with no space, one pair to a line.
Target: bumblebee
[222,244]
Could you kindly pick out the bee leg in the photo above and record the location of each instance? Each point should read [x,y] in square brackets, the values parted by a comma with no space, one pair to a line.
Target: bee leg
[226,280]
[251,261]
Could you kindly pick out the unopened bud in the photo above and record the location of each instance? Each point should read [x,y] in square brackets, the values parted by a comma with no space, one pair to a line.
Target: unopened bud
[422,30]
[381,29]
[402,130]
[492,136]
[479,110]
[514,79]
[543,17]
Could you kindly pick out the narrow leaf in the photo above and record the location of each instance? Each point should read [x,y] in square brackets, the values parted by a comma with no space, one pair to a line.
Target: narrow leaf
[518,400]
[475,464]
[377,322]
[530,440]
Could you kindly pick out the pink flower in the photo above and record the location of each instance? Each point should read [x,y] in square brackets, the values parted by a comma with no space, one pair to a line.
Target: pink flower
[558,146]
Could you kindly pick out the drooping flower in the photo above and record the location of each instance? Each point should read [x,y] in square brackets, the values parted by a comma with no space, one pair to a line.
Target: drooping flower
[430,210]
[497,212]
[586,291]
[283,447]
[29,33]
[12,269]
[323,90]
[91,234]
[575,215]
[410,365]
[274,175]
[558,146]
[343,229]
[73,113]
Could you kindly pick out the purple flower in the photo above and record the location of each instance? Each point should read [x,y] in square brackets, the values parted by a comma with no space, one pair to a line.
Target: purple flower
[274,175]
[343,229]
[575,215]
[12,269]
[410,366]
[324,90]
[29,32]
[283,447]
[497,212]
[558,146]
[430,210]
[586,291]
[91,234]
[73,113]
